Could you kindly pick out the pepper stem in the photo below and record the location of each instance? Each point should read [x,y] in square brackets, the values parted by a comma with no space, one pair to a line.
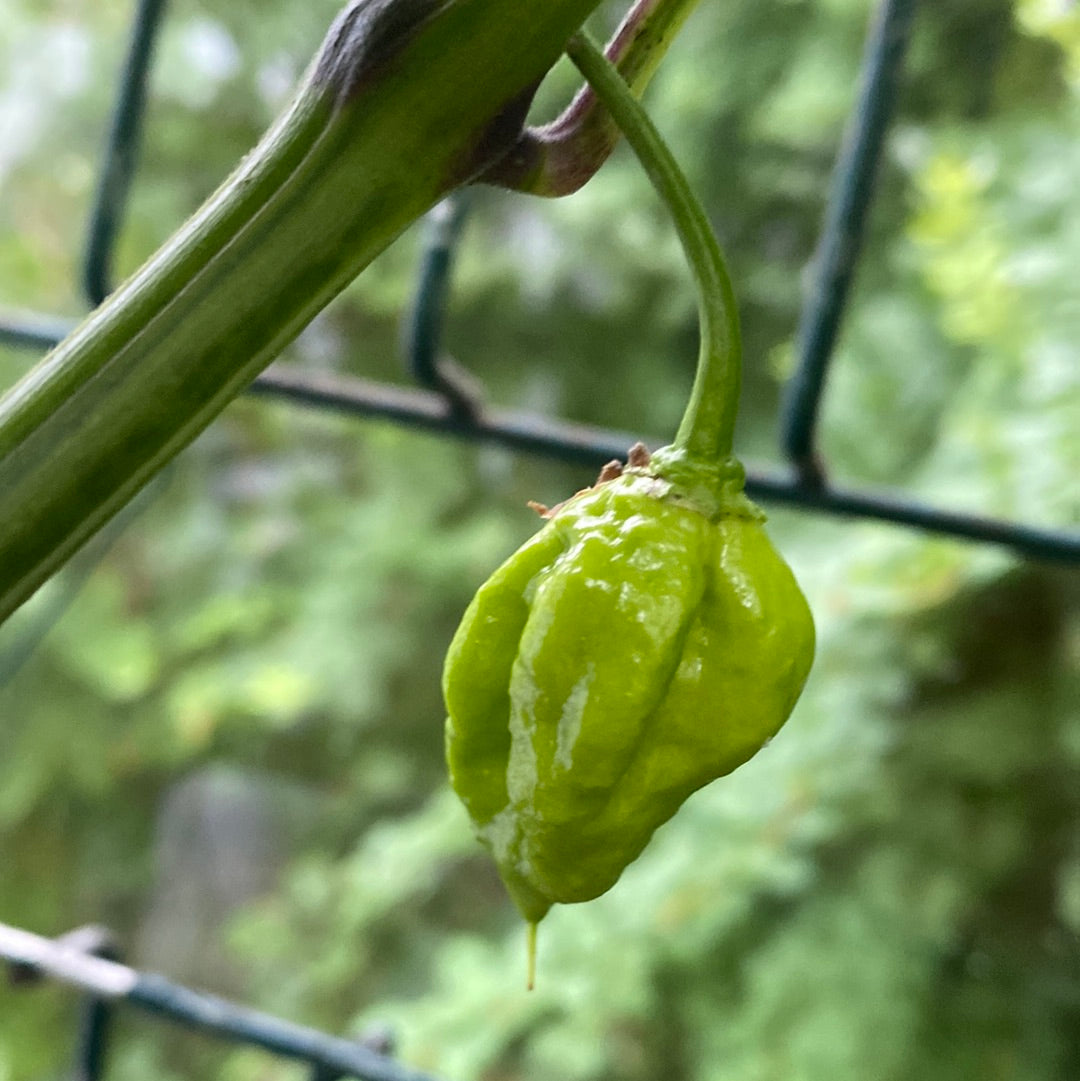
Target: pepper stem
[708,425]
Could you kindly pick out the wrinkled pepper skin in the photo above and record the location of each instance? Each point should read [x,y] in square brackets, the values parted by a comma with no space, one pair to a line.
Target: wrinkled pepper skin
[633,651]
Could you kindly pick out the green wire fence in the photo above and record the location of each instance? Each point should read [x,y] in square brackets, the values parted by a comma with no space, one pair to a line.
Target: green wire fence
[444,401]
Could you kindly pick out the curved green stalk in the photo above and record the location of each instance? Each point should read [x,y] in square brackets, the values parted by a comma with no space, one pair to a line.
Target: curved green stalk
[407,100]
[708,425]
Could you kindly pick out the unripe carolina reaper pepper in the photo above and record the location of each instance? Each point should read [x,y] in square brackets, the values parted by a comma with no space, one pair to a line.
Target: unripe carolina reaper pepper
[646,641]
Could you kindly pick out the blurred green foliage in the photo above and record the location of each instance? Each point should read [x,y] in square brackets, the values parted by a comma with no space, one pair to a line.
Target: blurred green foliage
[229,747]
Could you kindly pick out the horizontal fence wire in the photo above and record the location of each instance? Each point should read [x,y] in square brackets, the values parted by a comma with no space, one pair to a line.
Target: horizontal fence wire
[85,960]
[449,401]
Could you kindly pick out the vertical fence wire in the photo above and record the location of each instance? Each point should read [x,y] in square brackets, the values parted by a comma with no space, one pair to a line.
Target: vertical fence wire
[121,152]
[840,245]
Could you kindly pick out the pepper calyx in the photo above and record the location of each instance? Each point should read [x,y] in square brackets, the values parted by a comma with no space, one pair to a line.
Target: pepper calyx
[714,489]
[670,474]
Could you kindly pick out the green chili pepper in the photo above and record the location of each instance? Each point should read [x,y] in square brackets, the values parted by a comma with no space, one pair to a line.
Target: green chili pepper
[635,649]
[646,641]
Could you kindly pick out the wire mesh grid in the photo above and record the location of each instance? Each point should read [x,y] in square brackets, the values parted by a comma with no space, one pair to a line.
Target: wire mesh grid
[444,402]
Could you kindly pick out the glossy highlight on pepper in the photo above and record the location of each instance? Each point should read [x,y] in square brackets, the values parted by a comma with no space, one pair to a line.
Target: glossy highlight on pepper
[646,641]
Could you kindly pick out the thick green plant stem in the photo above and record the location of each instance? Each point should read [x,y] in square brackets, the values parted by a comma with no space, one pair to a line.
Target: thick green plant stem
[708,426]
[407,100]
